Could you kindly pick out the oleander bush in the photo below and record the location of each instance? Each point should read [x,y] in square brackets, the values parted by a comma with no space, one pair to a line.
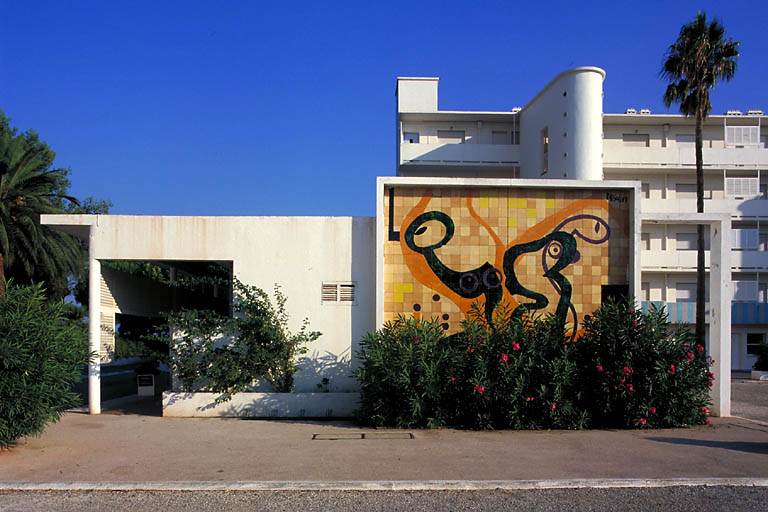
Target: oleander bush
[41,356]
[626,370]
[636,370]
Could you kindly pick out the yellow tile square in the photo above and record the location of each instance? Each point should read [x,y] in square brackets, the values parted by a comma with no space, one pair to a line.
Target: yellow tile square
[530,213]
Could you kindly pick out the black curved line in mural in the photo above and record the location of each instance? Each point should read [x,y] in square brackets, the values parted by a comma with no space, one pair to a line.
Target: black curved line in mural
[471,284]
[599,223]
[559,242]
[487,280]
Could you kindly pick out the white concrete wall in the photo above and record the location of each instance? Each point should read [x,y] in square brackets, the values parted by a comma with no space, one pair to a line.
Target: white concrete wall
[570,107]
[416,94]
[298,253]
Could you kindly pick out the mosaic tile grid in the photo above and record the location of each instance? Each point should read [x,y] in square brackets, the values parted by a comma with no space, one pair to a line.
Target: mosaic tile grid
[486,223]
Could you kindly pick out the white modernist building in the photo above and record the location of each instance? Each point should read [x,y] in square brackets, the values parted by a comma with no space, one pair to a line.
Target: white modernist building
[563,133]
[332,269]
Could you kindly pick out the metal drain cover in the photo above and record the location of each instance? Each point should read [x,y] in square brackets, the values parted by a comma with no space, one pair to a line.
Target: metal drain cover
[342,436]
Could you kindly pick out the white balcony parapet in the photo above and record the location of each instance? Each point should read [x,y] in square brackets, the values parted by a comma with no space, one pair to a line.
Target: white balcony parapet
[475,154]
[617,155]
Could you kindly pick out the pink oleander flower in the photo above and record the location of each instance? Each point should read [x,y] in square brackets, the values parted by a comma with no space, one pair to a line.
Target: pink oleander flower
[642,421]
[599,368]
[699,348]
[631,311]
[707,422]
[554,405]
[689,356]
[711,384]
[705,410]
[453,379]
[515,345]
[634,322]
[685,346]
[529,399]
[711,375]
[628,371]
[479,389]
[416,339]
[607,390]
[671,370]
[504,358]
[652,410]
[631,388]
[621,380]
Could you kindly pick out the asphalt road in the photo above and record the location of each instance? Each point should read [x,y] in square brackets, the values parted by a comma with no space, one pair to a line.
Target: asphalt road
[633,499]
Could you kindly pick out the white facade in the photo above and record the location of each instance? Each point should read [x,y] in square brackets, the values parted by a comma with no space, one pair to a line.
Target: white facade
[562,133]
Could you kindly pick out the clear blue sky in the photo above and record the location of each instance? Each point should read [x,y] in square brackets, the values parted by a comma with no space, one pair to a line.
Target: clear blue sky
[260,108]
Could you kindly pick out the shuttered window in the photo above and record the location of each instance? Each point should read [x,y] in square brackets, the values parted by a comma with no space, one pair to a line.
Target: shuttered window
[340,293]
[742,187]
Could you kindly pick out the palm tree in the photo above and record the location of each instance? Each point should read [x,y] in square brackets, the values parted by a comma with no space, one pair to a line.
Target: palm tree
[28,188]
[701,57]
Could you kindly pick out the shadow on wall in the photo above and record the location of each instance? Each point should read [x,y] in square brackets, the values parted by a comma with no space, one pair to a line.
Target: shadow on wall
[330,372]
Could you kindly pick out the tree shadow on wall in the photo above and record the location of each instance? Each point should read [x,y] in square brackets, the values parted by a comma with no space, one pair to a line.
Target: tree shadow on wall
[330,372]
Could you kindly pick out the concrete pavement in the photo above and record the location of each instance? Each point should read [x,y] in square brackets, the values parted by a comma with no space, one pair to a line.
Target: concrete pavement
[120,446]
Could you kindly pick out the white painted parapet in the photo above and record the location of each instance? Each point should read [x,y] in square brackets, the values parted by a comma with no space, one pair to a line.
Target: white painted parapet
[261,405]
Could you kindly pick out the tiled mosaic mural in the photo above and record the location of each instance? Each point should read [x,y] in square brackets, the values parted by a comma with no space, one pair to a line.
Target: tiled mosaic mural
[548,250]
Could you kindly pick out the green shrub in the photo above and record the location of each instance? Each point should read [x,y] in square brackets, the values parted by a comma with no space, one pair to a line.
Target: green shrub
[628,370]
[638,371]
[405,374]
[41,357]
[518,374]
[761,365]
[228,355]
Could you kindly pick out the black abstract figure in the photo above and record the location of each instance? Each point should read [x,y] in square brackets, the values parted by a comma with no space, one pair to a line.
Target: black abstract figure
[559,246]
[471,284]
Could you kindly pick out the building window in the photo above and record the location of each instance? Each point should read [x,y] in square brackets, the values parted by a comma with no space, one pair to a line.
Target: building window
[744,239]
[685,292]
[685,191]
[636,140]
[645,241]
[685,140]
[343,293]
[645,291]
[411,137]
[450,136]
[745,290]
[645,190]
[742,136]
[686,241]
[500,137]
[762,292]
[754,340]
[741,187]
[544,150]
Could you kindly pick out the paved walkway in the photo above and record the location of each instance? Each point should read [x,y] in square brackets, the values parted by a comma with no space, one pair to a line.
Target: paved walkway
[121,446]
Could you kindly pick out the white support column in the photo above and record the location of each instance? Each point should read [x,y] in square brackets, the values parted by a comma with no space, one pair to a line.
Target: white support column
[94,326]
[720,294]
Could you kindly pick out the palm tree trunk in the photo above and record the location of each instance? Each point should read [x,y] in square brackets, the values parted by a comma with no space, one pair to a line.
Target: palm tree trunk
[700,276]
[3,296]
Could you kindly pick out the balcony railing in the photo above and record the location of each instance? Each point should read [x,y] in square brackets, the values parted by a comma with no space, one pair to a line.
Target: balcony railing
[685,312]
[618,155]
[736,207]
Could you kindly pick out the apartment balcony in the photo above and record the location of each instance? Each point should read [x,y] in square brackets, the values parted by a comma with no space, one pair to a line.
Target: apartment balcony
[618,155]
[736,207]
[686,260]
[678,312]
[460,154]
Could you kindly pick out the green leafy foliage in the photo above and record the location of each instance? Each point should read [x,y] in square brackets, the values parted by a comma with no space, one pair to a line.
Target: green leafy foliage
[405,371]
[227,355]
[761,365]
[638,371]
[526,374]
[41,357]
